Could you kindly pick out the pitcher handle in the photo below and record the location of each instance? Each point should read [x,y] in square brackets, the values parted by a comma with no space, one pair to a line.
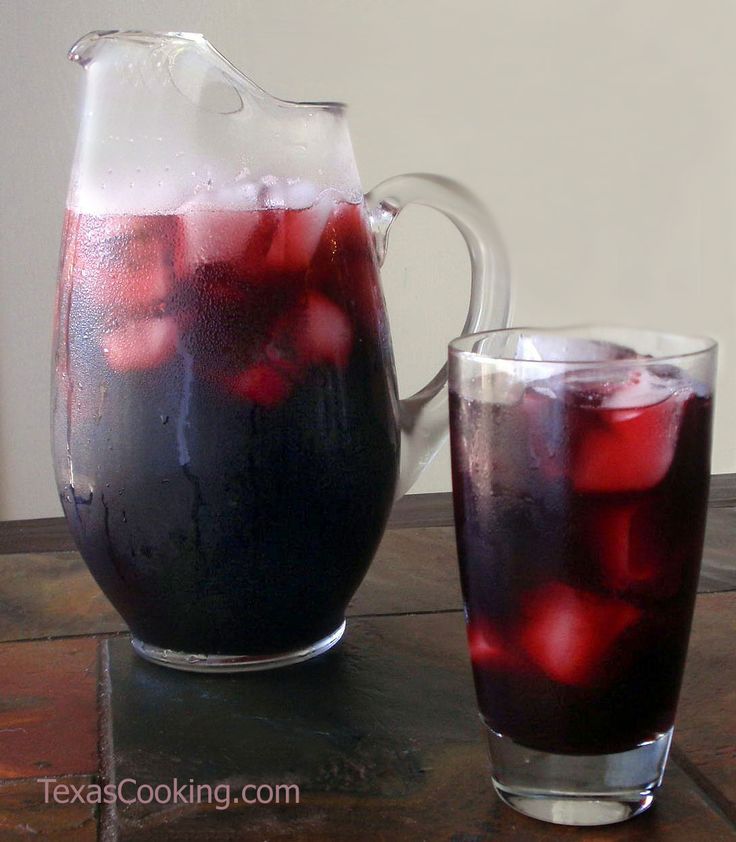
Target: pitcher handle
[423,417]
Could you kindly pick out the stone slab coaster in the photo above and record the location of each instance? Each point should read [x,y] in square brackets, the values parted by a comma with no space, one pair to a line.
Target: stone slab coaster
[381,736]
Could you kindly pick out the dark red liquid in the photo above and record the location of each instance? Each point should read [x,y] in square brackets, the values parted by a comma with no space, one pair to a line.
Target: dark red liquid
[580,532]
[224,420]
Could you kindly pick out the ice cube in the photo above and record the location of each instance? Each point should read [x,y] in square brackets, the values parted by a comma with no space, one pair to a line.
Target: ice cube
[611,533]
[272,192]
[298,236]
[240,195]
[547,431]
[289,193]
[126,262]
[324,334]
[633,546]
[214,236]
[570,634]
[263,384]
[554,348]
[315,331]
[301,194]
[234,223]
[140,344]
[487,648]
[627,441]
[640,388]
[546,347]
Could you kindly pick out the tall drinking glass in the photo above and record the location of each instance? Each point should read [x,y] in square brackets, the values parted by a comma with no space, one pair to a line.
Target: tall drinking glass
[580,475]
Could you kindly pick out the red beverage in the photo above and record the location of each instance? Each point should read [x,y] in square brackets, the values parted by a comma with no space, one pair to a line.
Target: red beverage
[580,508]
[225,422]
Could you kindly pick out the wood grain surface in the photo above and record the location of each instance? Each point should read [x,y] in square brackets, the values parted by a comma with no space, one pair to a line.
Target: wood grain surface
[413,510]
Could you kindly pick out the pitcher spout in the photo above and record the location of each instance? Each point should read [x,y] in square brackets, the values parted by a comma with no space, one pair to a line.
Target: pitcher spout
[86,47]
[168,44]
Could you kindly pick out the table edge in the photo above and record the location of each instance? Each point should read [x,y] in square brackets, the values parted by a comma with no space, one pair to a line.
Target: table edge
[414,511]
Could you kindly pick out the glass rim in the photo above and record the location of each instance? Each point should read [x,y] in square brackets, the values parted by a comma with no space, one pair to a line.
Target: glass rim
[706,344]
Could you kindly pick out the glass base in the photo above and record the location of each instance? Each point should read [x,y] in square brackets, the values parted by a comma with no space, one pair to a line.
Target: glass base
[234,663]
[572,789]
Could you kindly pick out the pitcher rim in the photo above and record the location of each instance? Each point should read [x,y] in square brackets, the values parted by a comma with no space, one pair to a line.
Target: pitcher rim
[82,45]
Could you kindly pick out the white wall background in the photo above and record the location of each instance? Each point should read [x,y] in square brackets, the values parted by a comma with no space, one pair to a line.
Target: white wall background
[602,135]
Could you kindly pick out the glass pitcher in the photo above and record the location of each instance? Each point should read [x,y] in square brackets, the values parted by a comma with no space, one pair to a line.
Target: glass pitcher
[226,427]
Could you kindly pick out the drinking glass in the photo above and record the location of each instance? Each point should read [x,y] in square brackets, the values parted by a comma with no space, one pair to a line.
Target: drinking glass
[580,474]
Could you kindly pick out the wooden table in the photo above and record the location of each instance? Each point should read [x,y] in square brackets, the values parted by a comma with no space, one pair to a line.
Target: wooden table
[381,735]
